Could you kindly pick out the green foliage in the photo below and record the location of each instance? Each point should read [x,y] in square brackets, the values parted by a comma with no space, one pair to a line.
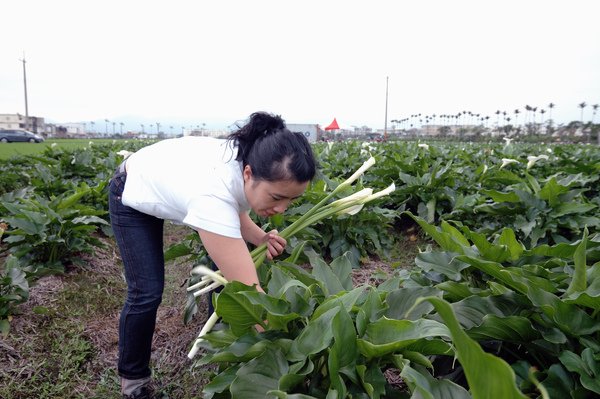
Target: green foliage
[14,290]
[47,234]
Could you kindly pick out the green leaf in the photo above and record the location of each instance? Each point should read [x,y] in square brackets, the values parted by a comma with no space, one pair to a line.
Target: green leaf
[586,366]
[259,376]
[236,310]
[314,338]
[441,262]
[509,329]
[4,328]
[552,191]
[386,336]
[344,352]
[579,280]
[400,301]
[499,196]
[488,376]
[514,247]
[423,385]
[322,271]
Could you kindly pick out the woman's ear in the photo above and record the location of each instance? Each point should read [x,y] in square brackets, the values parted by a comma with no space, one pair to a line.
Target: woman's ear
[247,173]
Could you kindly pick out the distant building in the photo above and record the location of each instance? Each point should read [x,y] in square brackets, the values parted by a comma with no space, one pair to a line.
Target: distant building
[17,121]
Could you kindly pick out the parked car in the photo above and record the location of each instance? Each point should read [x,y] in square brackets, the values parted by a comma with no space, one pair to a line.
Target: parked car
[7,136]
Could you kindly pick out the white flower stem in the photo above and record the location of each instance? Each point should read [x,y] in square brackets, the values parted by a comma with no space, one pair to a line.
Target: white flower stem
[210,323]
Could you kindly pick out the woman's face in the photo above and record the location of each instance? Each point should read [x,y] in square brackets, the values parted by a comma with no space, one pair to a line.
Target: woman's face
[270,198]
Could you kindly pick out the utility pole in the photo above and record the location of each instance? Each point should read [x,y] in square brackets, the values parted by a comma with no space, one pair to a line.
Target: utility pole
[25,86]
[386,107]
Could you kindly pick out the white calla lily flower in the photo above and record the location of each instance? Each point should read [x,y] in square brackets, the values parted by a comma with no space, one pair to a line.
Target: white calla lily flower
[357,196]
[366,165]
[382,193]
[533,159]
[507,161]
[423,145]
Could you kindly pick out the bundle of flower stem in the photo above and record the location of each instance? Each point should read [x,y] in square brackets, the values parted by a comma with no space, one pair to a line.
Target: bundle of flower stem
[347,205]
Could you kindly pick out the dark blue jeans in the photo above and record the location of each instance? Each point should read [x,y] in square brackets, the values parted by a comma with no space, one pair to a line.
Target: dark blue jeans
[140,240]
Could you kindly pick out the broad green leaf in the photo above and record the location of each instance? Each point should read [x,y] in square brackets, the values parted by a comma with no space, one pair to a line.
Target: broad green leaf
[221,382]
[441,262]
[373,380]
[586,366]
[579,280]
[568,318]
[558,383]
[499,196]
[283,395]
[590,298]
[400,301]
[508,239]
[552,191]
[386,336]
[456,291]
[323,273]
[177,250]
[488,376]
[509,329]
[444,240]
[344,353]
[496,270]
[236,310]
[259,376]
[489,251]
[278,310]
[342,267]
[569,208]
[423,385]
[346,299]
[314,338]
[456,235]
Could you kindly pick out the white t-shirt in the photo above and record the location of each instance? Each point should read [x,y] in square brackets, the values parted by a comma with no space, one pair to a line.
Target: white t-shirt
[191,180]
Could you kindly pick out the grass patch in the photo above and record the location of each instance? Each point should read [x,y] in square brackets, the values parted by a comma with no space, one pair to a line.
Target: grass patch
[9,150]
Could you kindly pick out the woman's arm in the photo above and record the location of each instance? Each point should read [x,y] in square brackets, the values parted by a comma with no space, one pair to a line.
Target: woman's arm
[231,256]
[255,235]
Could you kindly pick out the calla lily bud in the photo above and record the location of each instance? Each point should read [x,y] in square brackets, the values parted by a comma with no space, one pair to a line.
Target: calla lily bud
[382,193]
[366,165]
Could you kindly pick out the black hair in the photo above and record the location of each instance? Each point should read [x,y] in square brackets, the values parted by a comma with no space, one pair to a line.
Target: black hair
[273,152]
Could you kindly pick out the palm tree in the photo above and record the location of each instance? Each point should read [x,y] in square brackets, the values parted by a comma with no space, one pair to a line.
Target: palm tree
[582,106]
[550,107]
[121,123]
[106,126]
[542,111]
[517,112]
[92,123]
[527,109]
[595,109]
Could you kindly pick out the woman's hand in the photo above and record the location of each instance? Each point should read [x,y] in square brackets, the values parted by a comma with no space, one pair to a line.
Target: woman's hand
[275,244]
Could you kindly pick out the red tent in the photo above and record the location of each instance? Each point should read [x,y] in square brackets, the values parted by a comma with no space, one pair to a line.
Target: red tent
[333,125]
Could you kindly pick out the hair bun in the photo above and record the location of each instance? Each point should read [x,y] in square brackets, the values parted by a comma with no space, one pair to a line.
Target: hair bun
[265,123]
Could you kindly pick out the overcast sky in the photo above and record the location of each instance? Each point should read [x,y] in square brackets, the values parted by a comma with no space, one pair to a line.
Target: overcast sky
[216,62]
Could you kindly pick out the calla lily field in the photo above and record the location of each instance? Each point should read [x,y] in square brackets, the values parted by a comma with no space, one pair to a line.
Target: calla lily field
[502,300]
